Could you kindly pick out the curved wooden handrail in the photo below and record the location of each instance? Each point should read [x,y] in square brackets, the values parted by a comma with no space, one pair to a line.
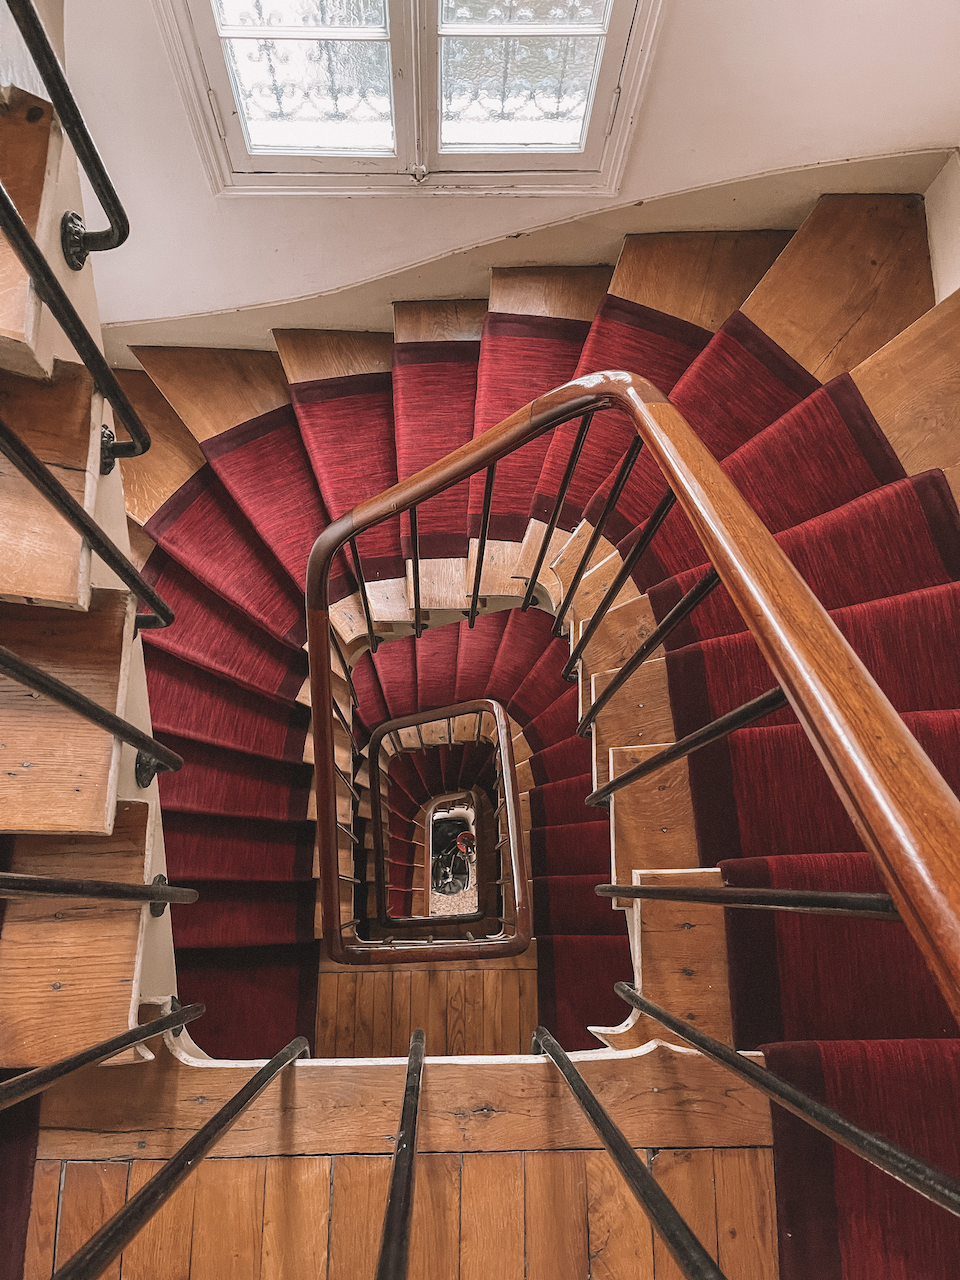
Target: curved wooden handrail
[905,813]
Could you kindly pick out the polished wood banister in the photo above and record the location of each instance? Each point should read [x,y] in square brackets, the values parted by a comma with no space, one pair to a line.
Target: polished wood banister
[907,816]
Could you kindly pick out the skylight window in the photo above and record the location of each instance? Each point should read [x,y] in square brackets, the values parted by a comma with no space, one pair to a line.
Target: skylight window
[396,94]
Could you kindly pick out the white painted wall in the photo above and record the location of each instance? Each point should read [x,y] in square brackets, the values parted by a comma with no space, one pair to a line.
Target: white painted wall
[943,227]
[739,88]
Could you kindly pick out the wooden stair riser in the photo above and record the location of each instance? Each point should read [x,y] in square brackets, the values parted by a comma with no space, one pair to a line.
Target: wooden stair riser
[639,712]
[651,821]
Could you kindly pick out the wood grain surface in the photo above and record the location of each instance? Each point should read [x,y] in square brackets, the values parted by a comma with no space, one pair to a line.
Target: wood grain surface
[213,390]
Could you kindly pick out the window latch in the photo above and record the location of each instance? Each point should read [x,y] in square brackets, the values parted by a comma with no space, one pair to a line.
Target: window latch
[418,172]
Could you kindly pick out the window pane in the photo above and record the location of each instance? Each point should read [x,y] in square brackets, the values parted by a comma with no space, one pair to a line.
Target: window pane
[314,95]
[501,92]
[298,14]
[555,13]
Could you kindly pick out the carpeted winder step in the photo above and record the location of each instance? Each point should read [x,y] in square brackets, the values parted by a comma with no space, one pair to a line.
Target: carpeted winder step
[561,803]
[577,849]
[201,846]
[213,635]
[246,913]
[798,976]
[902,537]
[576,974]
[838,1217]
[196,704]
[708,679]
[570,758]
[215,780]
[567,905]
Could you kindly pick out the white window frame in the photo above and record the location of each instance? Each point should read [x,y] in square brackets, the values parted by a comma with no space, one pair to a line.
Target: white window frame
[418,165]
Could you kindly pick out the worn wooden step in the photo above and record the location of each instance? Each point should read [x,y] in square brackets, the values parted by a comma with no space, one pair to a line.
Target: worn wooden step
[638,713]
[71,966]
[679,955]
[651,821]
[45,560]
[617,638]
[569,293]
[30,146]
[58,771]
[174,454]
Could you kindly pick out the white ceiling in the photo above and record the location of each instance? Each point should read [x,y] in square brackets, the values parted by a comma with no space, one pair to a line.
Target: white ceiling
[767,90]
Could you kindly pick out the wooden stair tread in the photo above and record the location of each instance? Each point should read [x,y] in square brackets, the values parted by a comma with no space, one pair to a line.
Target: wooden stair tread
[71,965]
[697,276]
[174,454]
[45,559]
[27,129]
[617,638]
[311,354]
[651,821]
[639,712]
[912,388]
[59,771]
[213,390]
[855,274]
[573,293]
[444,320]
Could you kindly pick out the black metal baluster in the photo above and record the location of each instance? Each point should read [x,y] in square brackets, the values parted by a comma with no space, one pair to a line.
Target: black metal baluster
[395,1240]
[650,530]
[682,609]
[42,479]
[930,1182]
[756,709]
[557,508]
[690,1255]
[152,757]
[160,892]
[32,1082]
[372,639]
[482,544]
[623,475]
[100,1250]
[344,665]
[415,548]
[872,906]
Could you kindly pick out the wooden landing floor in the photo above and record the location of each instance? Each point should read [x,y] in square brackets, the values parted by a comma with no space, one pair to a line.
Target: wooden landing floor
[534,1215]
[463,1008]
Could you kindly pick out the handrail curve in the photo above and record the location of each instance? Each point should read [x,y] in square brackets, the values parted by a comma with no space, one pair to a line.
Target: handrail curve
[906,815]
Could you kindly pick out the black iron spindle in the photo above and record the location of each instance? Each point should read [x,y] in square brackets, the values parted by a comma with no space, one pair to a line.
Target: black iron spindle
[682,609]
[17,886]
[395,1240]
[482,543]
[152,757]
[42,479]
[372,639]
[933,1183]
[32,1082]
[690,1255]
[344,665]
[756,709]
[557,508]
[872,906]
[623,475]
[650,530]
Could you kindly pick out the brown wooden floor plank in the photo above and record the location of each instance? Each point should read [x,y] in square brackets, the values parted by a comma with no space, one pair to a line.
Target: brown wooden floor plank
[492,1216]
[400,1014]
[359,1199]
[382,1002]
[529,1014]
[456,1025]
[161,1251]
[42,1225]
[363,1033]
[746,1213]
[510,1015]
[687,1178]
[435,1229]
[436,1028]
[555,1211]
[326,1036]
[492,1013]
[92,1193]
[346,1014]
[419,1007]
[296,1207]
[228,1220]
[473,1012]
[621,1238]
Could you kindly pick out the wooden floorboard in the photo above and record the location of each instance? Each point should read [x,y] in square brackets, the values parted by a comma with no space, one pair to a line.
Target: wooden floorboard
[492,1225]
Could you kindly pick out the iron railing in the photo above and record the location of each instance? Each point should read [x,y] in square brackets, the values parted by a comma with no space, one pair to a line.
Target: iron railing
[827,902]
[395,1239]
